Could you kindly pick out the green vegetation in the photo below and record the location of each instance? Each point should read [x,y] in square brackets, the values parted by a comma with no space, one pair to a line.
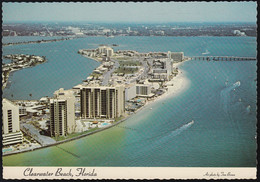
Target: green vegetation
[130,63]
[72,135]
[119,118]
[95,75]
[123,58]
[123,68]
[27,137]
[126,70]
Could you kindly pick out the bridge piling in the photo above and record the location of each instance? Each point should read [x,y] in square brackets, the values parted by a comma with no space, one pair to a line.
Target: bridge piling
[223,58]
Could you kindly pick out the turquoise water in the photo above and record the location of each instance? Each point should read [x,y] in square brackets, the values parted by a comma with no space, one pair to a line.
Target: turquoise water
[223,132]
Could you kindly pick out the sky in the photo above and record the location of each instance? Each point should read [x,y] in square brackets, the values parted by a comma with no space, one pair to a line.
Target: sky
[132,12]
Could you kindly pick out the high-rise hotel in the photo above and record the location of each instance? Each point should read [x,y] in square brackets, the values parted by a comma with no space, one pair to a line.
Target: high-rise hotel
[102,102]
[62,111]
[11,127]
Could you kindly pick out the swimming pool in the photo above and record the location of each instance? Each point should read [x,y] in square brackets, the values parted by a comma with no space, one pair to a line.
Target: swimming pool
[104,124]
[6,150]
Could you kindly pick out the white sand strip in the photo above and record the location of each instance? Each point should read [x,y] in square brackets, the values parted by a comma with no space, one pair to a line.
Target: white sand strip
[176,86]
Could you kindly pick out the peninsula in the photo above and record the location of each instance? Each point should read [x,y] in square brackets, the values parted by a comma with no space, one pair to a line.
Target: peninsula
[19,61]
[125,82]
[37,41]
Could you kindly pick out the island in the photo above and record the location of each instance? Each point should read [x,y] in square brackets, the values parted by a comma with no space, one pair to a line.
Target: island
[19,61]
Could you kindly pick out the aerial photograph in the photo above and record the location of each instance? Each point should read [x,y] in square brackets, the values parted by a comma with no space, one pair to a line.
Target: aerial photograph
[151,84]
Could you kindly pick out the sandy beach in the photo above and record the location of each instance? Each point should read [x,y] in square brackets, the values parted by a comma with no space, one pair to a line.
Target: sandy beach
[176,86]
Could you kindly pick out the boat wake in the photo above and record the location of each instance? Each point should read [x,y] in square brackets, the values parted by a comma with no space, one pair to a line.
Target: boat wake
[157,143]
[225,95]
[179,130]
[160,141]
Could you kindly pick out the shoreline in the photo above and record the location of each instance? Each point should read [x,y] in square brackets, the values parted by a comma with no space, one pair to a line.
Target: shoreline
[69,139]
[9,73]
[91,58]
[180,83]
[37,41]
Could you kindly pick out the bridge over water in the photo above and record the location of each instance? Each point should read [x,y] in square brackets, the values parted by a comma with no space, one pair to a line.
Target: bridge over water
[223,58]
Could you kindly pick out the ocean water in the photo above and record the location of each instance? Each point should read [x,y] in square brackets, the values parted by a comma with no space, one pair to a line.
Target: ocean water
[224,127]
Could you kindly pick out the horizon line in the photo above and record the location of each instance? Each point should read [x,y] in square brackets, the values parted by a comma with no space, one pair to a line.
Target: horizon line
[120,22]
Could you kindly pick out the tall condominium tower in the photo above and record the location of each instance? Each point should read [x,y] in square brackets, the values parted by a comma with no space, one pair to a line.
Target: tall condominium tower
[102,102]
[62,110]
[11,127]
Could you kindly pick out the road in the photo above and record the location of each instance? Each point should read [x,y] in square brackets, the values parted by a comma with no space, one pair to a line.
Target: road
[44,140]
[107,75]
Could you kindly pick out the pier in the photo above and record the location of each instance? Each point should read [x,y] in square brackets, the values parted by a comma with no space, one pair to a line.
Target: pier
[223,58]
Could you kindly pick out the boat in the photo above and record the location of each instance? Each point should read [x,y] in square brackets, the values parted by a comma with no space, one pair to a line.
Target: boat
[151,108]
[206,52]
[190,123]
[226,82]
[237,83]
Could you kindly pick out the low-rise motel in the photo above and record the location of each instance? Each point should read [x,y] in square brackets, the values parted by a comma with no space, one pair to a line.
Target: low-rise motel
[124,82]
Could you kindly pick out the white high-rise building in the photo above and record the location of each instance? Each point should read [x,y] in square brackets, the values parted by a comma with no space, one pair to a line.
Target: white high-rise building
[143,90]
[62,110]
[102,49]
[102,102]
[130,91]
[108,51]
[11,127]
[164,71]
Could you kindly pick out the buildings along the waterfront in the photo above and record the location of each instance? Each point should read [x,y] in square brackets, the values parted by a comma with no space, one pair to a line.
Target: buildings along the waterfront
[62,113]
[107,51]
[11,127]
[102,102]
[162,69]
[143,90]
